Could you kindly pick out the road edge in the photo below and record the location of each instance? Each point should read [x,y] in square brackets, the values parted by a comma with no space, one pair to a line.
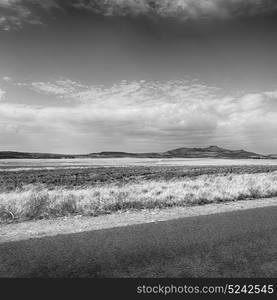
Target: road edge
[66,225]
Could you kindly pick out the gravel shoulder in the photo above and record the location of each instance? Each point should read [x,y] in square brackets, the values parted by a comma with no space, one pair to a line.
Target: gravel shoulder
[67,225]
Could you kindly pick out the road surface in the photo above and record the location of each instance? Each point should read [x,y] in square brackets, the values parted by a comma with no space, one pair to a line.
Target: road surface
[232,244]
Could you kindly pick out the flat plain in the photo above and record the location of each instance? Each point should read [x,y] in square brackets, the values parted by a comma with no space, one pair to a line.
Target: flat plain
[46,188]
[131,218]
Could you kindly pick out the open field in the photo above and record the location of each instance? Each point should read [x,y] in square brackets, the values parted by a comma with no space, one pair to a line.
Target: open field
[36,202]
[35,189]
[31,164]
[13,178]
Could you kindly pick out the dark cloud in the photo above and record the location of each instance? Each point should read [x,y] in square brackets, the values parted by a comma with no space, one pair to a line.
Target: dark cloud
[183,9]
[15,13]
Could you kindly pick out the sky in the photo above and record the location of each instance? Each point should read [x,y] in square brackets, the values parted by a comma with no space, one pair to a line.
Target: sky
[82,76]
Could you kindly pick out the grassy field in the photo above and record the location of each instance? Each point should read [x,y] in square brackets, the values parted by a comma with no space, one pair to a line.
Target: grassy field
[38,201]
[87,177]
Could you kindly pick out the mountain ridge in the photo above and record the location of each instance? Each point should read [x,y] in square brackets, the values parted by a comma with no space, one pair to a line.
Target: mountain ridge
[183,152]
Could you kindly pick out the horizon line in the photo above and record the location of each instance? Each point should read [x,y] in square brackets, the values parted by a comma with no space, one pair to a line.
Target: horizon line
[117,151]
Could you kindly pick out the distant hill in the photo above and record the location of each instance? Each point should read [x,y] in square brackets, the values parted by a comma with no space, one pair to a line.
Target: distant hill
[213,152]
[26,155]
[112,154]
[208,152]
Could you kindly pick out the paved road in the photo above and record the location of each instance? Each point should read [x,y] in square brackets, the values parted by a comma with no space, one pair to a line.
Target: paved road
[233,244]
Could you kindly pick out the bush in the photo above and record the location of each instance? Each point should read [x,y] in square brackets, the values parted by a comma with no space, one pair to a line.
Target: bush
[37,205]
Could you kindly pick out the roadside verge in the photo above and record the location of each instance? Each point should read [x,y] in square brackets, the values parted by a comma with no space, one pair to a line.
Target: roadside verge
[66,225]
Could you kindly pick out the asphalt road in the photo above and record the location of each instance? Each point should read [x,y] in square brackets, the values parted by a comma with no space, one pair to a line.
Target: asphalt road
[233,244]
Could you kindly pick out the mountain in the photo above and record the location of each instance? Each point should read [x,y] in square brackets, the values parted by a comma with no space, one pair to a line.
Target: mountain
[208,152]
[212,152]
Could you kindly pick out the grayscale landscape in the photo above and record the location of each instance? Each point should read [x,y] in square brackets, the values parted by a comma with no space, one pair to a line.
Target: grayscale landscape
[138,138]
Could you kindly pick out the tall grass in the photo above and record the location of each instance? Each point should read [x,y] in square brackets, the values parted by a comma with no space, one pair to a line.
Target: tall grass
[36,202]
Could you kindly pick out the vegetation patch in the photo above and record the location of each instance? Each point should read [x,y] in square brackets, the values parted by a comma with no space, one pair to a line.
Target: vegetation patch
[39,201]
[82,177]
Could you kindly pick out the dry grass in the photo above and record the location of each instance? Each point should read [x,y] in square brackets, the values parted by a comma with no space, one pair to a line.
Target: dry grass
[35,202]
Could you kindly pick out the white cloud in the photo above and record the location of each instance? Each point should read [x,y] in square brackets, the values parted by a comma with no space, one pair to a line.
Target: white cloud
[50,88]
[2,93]
[145,113]
[7,79]
[131,91]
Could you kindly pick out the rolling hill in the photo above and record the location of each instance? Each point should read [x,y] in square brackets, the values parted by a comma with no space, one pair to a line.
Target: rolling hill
[212,152]
[208,152]
[29,155]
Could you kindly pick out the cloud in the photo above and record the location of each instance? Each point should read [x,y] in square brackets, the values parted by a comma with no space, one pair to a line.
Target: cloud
[7,79]
[144,114]
[130,91]
[15,13]
[182,9]
[2,93]
[157,108]
[63,88]
[51,88]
